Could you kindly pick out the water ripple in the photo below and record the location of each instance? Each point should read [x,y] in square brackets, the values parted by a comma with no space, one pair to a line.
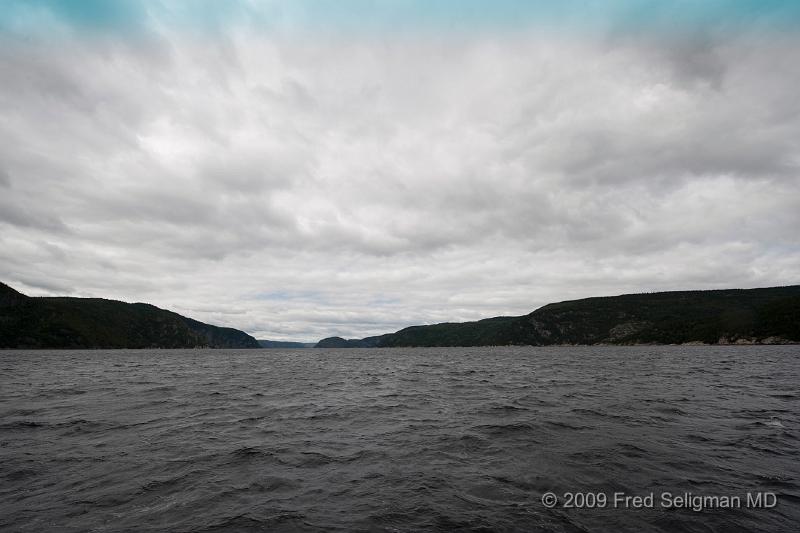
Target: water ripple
[394,440]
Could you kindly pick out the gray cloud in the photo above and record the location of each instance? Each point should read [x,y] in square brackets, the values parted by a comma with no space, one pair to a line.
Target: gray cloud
[368,184]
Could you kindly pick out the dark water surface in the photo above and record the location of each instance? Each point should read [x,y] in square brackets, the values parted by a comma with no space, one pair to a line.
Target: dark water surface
[397,439]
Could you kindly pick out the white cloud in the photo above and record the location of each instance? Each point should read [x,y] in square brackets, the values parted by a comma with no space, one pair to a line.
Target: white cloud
[299,188]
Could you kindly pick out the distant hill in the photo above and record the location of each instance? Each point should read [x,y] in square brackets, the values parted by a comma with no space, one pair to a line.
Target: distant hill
[338,342]
[61,322]
[731,316]
[264,343]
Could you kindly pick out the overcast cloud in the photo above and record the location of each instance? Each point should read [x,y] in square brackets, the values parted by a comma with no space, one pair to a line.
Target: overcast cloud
[297,181]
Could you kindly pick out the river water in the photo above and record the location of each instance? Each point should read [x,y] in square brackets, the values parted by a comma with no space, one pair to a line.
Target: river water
[428,439]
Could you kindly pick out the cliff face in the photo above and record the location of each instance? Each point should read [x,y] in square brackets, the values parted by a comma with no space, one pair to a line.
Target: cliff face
[27,322]
[765,316]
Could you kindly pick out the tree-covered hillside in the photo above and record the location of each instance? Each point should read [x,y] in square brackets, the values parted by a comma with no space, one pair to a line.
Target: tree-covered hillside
[27,322]
[770,315]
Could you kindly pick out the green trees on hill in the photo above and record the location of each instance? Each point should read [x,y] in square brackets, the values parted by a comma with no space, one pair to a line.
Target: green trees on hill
[98,323]
[770,315]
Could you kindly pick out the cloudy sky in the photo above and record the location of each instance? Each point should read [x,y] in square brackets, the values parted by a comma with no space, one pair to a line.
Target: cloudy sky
[300,168]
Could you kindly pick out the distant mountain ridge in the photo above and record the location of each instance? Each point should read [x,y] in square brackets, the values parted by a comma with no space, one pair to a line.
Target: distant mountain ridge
[338,342]
[63,322]
[266,343]
[728,316]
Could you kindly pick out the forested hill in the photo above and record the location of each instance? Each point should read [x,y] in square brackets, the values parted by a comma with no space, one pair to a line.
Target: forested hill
[27,322]
[731,316]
